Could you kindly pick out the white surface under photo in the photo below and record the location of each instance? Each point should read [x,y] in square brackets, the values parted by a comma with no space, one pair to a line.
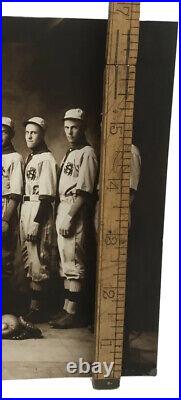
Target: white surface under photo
[53,70]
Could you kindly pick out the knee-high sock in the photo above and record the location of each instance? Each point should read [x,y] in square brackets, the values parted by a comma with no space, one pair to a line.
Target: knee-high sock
[66,294]
[36,295]
[75,287]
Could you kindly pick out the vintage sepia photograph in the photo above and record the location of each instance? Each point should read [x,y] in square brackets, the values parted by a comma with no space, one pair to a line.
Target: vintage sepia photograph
[53,80]
[52,104]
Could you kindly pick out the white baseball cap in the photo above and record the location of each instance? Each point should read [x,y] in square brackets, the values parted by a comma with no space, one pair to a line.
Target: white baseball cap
[75,113]
[37,121]
[8,122]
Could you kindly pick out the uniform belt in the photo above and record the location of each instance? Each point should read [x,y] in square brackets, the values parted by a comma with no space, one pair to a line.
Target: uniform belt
[33,197]
[68,199]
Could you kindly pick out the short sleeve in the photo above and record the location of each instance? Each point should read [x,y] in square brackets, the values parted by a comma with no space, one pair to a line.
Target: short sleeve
[87,172]
[48,172]
[16,177]
[135,168]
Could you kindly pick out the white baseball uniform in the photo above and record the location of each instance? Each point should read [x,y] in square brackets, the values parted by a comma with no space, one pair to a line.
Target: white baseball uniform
[12,188]
[78,175]
[40,188]
[135,167]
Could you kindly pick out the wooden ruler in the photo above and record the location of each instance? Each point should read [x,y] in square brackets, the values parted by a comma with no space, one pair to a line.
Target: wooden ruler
[122,48]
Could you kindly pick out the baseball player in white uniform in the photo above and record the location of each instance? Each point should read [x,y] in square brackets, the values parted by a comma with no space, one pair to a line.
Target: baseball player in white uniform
[134,175]
[37,214]
[134,181]
[76,187]
[12,190]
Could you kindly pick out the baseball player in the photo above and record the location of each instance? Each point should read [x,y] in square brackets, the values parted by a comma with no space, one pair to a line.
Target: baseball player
[134,181]
[134,175]
[12,190]
[36,221]
[76,187]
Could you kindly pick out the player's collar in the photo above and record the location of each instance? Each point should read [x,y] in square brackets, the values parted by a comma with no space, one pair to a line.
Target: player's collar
[8,149]
[79,145]
[41,148]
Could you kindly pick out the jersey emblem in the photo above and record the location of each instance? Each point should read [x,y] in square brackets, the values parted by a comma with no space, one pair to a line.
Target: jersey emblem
[31,174]
[36,189]
[4,174]
[68,169]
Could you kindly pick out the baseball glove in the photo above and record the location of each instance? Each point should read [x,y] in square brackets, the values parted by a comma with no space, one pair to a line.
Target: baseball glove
[18,329]
[10,326]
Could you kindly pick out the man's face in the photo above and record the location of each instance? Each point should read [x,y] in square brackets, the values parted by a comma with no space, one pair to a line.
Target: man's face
[6,135]
[33,135]
[73,130]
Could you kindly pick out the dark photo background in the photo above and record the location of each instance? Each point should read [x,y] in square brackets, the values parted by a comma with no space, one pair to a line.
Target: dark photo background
[153,102]
[50,65]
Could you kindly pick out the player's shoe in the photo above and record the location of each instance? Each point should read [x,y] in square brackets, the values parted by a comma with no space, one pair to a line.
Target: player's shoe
[68,322]
[58,317]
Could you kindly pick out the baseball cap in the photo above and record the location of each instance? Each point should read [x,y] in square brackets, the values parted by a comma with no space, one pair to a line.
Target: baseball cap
[8,122]
[37,121]
[75,113]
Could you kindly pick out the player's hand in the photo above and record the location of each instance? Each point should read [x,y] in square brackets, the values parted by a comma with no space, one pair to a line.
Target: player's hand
[66,225]
[32,235]
[5,228]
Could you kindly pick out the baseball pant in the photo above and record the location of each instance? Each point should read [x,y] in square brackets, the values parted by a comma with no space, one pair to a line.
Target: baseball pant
[71,249]
[36,256]
[9,242]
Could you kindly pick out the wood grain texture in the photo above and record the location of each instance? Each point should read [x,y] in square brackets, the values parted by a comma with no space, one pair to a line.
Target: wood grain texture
[119,87]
